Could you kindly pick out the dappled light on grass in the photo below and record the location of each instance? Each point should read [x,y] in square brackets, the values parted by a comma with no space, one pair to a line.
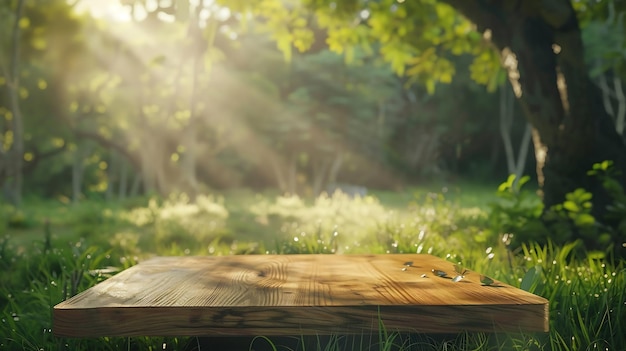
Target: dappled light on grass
[331,224]
[178,221]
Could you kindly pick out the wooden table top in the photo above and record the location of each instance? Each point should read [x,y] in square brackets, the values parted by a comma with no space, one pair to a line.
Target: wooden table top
[296,295]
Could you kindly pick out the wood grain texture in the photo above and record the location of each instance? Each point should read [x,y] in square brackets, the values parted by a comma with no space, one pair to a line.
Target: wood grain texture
[295,295]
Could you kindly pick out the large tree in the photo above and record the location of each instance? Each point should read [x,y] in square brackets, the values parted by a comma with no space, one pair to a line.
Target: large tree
[572,129]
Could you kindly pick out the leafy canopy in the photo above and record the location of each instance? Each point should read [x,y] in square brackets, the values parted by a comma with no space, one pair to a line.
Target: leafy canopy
[417,38]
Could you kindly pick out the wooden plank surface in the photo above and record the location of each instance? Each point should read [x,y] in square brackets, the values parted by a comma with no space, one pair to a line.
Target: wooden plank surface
[295,295]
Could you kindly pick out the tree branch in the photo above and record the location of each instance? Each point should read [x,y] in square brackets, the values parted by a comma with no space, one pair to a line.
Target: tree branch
[488,15]
[621,106]
[606,94]
[16,44]
[109,144]
[38,157]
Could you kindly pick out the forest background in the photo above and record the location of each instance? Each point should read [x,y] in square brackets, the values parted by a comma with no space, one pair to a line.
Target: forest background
[151,97]
[121,105]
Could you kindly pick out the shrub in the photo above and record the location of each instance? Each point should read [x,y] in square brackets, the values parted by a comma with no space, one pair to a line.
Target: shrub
[333,223]
[14,218]
[521,213]
[184,222]
[517,211]
[93,218]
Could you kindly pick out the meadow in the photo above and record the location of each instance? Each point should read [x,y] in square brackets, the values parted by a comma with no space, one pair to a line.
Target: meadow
[51,250]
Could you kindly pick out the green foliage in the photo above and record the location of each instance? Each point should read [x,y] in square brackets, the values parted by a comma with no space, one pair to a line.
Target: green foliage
[16,218]
[418,48]
[517,211]
[176,223]
[92,218]
[614,233]
[12,217]
[487,70]
[573,217]
[184,121]
[521,213]
[603,36]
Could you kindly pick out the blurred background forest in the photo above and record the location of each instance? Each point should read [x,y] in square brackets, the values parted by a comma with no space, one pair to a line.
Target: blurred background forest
[116,99]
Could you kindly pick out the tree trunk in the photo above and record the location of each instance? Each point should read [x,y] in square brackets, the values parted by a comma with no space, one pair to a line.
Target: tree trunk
[160,166]
[506,124]
[319,170]
[557,96]
[278,173]
[4,160]
[148,174]
[617,93]
[286,172]
[188,159]
[112,173]
[335,167]
[292,174]
[15,156]
[515,162]
[123,177]
[620,115]
[190,142]
[523,152]
[78,170]
[134,189]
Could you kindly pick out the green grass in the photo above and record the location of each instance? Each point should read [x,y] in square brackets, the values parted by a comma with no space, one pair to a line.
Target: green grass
[93,240]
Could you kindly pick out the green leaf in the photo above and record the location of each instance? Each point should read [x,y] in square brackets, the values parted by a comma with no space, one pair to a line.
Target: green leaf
[584,195]
[430,86]
[571,206]
[567,249]
[532,280]
[507,184]
[523,180]
[605,165]
[584,220]
[596,255]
